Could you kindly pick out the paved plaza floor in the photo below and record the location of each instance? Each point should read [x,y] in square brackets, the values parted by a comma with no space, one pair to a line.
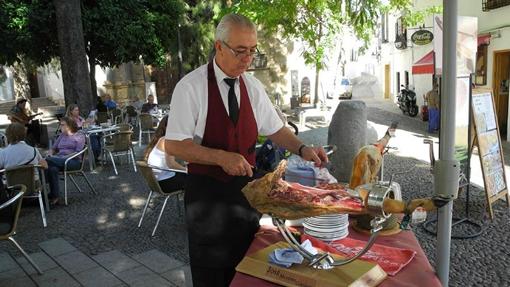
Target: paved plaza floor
[94,241]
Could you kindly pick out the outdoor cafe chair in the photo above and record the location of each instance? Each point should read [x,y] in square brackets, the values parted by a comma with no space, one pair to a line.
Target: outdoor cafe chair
[25,174]
[125,127]
[152,182]
[121,145]
[116,115]
[146,123]
[9,213]
[102,117]
[77,172]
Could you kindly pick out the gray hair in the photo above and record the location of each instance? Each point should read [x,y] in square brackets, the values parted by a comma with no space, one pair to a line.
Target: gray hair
[227,21]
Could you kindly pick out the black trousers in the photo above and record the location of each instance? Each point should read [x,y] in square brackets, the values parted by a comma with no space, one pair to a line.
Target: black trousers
[221,226]
[33,133]
[176,182]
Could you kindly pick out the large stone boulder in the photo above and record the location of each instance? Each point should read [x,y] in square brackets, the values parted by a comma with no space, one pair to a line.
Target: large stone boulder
[348,131]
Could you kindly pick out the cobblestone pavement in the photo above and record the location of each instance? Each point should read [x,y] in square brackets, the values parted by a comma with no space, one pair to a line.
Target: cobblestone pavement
[108,221]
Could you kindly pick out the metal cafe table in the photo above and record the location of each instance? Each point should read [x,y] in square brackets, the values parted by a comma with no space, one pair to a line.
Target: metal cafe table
[96,130]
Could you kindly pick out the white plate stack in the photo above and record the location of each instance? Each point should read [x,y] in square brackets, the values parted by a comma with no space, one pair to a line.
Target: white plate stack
[329,227]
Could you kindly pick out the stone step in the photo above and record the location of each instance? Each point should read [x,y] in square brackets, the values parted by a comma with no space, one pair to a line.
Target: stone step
[11,274]
[64,265]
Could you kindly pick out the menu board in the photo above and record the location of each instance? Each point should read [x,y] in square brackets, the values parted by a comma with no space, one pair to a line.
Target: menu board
[489,147]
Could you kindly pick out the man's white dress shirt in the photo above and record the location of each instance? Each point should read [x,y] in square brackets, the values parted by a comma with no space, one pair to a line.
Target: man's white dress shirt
[188,108]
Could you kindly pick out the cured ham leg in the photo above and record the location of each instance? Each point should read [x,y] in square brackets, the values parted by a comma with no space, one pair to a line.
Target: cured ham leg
[272,195]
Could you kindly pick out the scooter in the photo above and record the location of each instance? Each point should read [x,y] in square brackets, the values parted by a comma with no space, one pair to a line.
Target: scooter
[407,101]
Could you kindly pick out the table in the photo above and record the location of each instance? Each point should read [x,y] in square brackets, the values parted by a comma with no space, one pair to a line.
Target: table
[417,273]
[96,130]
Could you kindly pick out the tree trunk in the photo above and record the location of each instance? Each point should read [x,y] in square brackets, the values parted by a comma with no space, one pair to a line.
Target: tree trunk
[92,74]
[316,98]
[73,59]
[21,84]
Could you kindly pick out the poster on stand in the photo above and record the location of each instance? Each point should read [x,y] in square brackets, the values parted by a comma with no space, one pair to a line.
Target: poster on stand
[466,44]
[490,150]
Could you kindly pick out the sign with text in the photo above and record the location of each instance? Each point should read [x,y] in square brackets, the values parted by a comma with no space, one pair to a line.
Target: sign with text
[489,147]
[422,37]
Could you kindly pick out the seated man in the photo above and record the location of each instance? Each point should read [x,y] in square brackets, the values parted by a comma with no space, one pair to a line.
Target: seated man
[19,153]
[109,103]
[137,104]
[22,114]
[149,107]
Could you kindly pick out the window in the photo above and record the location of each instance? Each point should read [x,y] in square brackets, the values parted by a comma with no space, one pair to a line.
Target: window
[384,28]
[400,34]
[488,5]
[397,77]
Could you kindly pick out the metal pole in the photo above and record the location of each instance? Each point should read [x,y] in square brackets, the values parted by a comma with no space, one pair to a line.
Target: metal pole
[447,136]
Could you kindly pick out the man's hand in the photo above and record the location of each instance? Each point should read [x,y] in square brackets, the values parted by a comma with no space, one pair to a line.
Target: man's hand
[43,163]
[235,164]
[315,154]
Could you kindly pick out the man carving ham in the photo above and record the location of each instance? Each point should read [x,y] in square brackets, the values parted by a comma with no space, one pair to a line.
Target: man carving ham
[217,112]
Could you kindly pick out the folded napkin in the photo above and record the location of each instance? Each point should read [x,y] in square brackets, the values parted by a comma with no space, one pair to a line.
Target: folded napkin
[285,257]
[391,259]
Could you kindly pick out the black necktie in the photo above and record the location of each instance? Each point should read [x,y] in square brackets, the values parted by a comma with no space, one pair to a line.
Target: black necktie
[233,107]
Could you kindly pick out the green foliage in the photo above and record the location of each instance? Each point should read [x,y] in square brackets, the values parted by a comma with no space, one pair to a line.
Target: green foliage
[416,18]
[117,32]
[197,33]
[28,32]
[317,23]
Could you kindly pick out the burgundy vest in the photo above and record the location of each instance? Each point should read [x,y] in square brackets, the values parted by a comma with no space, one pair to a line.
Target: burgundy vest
[221,133]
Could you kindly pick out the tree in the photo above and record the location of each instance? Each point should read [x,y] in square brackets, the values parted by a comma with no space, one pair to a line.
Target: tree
[118,32]
[114,32]
[29,39]
[73,58]
[316,22]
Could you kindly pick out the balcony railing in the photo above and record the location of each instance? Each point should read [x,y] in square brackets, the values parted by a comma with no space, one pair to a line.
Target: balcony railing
[488,5]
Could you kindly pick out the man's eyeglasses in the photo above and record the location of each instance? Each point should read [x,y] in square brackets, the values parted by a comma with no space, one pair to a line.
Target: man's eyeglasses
[244,53]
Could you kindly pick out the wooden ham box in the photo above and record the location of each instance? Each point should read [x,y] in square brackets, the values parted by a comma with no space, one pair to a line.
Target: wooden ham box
[356,273]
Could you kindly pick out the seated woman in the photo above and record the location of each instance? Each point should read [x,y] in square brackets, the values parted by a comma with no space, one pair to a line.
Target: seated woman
[18,152]
[20,113]
[68,143]
[155,156]
[73,112]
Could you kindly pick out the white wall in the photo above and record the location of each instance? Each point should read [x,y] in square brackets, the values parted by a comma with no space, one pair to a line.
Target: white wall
[7,87]
[50,84]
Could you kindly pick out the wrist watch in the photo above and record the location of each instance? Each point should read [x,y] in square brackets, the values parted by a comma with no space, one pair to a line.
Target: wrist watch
[300,150]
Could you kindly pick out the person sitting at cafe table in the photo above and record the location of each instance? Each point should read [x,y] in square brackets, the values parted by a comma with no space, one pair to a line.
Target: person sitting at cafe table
[155,156]
[100,106]
[73,112]
[22,114]
[69,142]
[137,103]
[19,153]
[149,106]
[109,103]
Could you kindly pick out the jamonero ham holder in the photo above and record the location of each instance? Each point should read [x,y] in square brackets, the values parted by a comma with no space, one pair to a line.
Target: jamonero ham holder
[283,200]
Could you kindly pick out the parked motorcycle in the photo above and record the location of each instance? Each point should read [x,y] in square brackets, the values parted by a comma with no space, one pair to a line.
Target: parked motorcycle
[407,101]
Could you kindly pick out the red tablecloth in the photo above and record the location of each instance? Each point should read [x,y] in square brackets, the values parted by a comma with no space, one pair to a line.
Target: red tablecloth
[417,273]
